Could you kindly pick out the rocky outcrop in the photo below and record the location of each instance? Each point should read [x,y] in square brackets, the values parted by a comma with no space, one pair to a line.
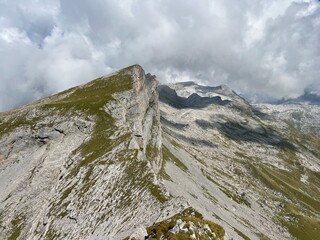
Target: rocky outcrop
[137,111]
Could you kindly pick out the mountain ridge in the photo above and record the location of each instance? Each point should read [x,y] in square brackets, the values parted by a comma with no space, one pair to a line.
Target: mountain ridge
[64,142]
[121,158]
[308,97]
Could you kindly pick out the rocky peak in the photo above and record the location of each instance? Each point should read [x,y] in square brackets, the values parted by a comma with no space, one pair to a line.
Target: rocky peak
[83,162]
[185,89]
[191,95]
[138,111]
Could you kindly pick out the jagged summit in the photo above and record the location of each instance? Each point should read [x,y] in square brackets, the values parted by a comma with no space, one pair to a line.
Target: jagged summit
[185,89]
[191,95]
[170,96]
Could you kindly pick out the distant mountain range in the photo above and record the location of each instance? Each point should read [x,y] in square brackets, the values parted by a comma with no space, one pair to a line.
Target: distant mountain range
[307,97]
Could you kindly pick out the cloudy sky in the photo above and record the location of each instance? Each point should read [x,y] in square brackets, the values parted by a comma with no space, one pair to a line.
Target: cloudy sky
[261,48]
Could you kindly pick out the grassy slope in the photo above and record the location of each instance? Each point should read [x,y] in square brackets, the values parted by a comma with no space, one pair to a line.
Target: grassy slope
[301,201]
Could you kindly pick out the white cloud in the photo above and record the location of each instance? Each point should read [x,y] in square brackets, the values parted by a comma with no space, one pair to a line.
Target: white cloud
[11,35]
[264,48]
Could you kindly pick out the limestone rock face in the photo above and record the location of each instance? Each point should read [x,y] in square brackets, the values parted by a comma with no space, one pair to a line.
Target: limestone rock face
[83,164]
[138,111]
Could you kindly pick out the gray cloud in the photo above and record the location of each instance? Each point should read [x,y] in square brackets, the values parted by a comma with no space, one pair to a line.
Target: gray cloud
[260,48]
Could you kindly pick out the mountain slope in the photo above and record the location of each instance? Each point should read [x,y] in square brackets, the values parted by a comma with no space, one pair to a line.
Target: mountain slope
[255,173]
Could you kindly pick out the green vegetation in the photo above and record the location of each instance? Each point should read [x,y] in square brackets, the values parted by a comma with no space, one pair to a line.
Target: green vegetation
[262,236]
[209,195]
[240,155]
[15,122]
[286,183]
[191,218]
[137,174]
[235,197]
[174,143]
[162,173]
[193,195]
[197,158]
[66,193]
[168,156]
[51,234]
[225,190]
[178,145]
[301,202]
[156,191]
[305,227]
[152,151]
[1,216]
[241,234]
[17,224]
[309,142]
[7,197]
[89,100]
[216,216]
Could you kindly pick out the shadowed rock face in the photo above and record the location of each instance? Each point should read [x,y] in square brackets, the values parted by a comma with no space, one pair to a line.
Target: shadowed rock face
[166,122]
[262,135]
[187,88]
[169,96]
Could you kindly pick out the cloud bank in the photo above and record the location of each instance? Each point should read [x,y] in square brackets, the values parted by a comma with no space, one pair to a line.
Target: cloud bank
[269,49]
